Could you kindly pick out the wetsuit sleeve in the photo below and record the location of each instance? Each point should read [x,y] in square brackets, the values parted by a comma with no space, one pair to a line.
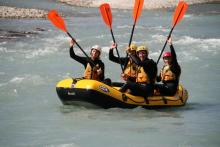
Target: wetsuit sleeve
[103,71]
[82,60]
[173,54]
[115,59]
[175,65]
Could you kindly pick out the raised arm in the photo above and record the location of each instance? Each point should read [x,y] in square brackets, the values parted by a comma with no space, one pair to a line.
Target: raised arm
[175,65]
[113,58]
[82,60]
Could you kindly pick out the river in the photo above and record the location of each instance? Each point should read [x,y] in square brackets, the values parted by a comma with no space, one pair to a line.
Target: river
[31,64]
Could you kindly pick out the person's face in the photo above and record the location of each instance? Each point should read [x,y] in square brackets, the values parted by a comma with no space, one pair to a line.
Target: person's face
[167,59]
[95,54]
[142,55]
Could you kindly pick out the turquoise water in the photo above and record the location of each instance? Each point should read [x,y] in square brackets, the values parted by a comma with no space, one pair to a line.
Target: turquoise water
[30,66]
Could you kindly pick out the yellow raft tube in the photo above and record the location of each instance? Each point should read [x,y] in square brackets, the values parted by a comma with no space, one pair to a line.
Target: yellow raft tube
[100,94]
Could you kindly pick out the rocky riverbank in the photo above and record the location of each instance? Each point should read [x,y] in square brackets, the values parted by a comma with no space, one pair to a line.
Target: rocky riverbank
[128,4]
[13,12]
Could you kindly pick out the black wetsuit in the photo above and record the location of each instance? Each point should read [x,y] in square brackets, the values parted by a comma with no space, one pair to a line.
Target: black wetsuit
[143,89]
[170,87]
[122,60]
[85,61]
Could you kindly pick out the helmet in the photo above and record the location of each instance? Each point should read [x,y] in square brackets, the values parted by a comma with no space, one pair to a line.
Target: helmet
[167,54]
[142,48]
[133,47]
[97,47]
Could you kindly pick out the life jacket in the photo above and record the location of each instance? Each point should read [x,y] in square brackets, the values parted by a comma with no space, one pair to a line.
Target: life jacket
[131,69]
[167,74]
[88,74]
[142,76]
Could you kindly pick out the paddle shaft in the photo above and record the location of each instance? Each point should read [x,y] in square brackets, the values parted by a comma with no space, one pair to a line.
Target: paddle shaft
[165,45]
[113,38]
[135,20]
[169,35]
[80,48]
[132,31]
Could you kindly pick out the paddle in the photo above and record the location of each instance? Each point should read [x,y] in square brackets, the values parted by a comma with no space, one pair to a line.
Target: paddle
[177,17]
[107,17]
[136,14]
[58,21]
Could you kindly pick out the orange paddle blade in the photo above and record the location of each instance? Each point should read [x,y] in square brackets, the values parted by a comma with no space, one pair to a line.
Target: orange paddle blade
[179,12]
[57,20]
[106,14]
[137,9]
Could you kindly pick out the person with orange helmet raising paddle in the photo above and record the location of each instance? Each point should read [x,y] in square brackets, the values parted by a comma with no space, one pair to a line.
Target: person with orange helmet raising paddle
[170,73]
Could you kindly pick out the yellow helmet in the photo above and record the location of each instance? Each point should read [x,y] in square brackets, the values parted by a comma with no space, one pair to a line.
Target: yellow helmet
[133,47]
[142,48]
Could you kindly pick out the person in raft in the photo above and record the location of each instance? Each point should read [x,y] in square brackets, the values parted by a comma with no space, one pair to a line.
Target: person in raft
[130,69]
[146,74]
[170,73]
[92,71]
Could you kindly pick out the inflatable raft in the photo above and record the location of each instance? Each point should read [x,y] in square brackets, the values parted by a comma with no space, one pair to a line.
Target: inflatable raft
[72,90]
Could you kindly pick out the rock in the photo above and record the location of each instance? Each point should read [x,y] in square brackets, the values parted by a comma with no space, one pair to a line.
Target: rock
[14,35]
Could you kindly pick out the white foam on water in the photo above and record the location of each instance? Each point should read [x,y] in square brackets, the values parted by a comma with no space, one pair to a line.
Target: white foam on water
[124,35]
[154,55]
[130,26]
[158,38]
[188,48]
[3,43]
[187,15]
[64,75]
[26,79]
[16,80]
[64,145]
[188,57]
[140,27]
[160,28]
[100,36]
[105,49]
[53,40]
[210,45]
[124,27]
[3,50]
[47,47]
[41,52]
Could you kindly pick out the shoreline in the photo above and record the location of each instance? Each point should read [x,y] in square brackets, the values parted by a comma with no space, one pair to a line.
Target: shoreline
[128,4]
[17,13]
[24,13]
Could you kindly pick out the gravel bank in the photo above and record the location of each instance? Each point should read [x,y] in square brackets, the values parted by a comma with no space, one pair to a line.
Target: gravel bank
[13,12]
